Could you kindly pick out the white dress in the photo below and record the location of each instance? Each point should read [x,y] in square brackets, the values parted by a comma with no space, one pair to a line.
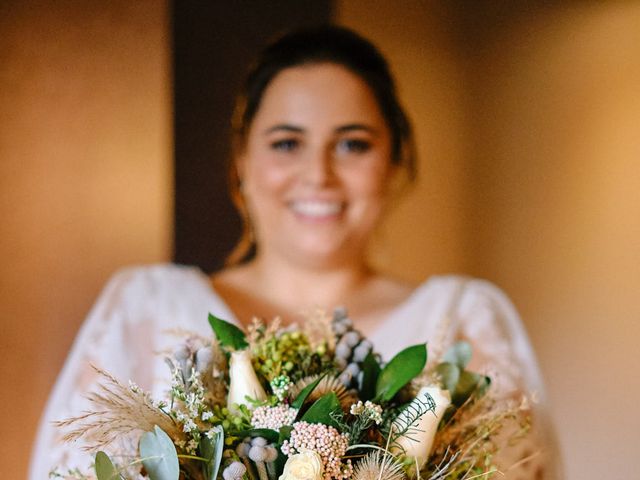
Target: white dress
[128,326]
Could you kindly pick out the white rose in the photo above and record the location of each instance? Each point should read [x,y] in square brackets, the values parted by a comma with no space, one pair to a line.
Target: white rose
[243,381]
[306,465]
[417,442]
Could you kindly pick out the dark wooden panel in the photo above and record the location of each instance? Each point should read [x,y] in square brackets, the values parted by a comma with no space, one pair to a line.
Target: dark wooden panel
[213,42]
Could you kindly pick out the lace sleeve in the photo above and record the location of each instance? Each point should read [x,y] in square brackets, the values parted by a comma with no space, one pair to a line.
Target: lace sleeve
[103,340]
[488,320]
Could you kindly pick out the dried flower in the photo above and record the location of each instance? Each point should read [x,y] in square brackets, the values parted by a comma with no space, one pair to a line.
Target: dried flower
[273,417]
[326,441]
[378,466]
[118,410]
[367,410]
[328,384]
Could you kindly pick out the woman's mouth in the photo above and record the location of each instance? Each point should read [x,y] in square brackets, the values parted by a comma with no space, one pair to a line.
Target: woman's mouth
[317,210]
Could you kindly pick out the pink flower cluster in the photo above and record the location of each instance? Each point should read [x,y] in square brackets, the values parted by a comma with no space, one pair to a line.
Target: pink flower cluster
[273,417]
[327,442]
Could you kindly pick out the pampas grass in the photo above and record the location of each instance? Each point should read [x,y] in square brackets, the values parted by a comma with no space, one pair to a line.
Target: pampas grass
[118,411]
[477,432]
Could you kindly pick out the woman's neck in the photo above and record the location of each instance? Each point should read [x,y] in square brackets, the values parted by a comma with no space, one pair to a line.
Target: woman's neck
[301,286]
[268,289]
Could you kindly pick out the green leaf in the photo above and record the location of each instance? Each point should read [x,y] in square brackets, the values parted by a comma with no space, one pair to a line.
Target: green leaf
[370,373]
[449,374]
[469,382]
[400,370]
[159,455]
[270,435]
[105,470]
[322,409]
[459,353]
[305,392]
[284,434]
[227,333]
[211,449]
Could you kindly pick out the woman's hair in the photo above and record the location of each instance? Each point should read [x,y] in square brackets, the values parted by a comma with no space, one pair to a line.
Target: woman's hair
[326,44]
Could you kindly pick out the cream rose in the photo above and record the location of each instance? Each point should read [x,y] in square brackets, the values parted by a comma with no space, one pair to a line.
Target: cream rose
[243,381]
[418,441]
[305,465]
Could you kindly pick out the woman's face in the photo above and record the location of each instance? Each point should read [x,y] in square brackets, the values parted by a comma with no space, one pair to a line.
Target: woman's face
[316,165]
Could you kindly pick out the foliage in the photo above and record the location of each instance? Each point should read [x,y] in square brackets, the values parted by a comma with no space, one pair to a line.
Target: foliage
[195,435]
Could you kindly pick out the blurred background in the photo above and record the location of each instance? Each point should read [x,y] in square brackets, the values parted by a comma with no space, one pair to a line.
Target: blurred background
[113,127]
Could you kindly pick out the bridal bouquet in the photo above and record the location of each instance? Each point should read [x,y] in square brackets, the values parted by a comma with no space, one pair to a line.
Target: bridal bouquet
[299,403]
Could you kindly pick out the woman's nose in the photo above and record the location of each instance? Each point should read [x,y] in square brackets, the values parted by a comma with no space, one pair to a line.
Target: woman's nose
[318,170]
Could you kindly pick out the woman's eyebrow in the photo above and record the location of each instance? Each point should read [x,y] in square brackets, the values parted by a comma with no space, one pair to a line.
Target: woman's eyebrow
[356,126]
[285,128]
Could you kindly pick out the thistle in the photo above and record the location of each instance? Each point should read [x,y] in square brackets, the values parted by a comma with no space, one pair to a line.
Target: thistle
[378,465]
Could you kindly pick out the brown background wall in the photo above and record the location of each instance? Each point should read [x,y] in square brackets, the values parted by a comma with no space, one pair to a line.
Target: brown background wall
[527,126]
[85,180]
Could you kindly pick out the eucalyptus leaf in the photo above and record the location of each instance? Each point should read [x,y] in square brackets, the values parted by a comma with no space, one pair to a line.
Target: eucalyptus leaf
[228,334]
[105,470]
[402,368]
[305,392]
[211,449]
[159,455]
[370,373]
[322,409]
[459,353]
[449,374]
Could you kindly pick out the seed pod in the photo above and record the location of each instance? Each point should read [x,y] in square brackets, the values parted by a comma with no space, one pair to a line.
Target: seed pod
[339,328]
[345,378]
[339,313]
[361,352]
[343,351]
[351,338]
[257,453]
[243,449]
[204,358]
[353,369]
[258,442]
[234,471]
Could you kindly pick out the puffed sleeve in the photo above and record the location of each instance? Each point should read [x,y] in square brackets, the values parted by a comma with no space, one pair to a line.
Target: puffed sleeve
[487,319]
[106,340]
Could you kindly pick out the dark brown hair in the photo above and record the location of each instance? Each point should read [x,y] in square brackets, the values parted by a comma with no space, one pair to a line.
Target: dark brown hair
[326,44]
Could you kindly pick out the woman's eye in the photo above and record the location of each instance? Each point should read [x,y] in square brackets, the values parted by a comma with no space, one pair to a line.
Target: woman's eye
[353,145]
[285,145]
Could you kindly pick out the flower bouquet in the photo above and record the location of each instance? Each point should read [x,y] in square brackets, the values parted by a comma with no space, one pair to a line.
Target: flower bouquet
[312,402]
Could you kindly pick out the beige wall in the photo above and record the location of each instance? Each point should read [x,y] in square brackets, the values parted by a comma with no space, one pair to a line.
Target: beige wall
[85,180]
[530,146]
[559,197]
[430,83]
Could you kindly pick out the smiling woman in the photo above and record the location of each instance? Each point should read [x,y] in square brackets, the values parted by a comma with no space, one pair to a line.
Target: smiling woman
[314,176]
[320,143]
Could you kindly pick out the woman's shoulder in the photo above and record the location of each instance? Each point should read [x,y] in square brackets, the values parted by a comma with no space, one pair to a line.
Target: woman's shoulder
[156,279]
[158,286]
[458,287]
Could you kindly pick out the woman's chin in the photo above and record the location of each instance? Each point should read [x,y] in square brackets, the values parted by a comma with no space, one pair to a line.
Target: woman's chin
[320,255]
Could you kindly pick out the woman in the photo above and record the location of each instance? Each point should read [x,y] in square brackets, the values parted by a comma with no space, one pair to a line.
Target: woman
[320,141]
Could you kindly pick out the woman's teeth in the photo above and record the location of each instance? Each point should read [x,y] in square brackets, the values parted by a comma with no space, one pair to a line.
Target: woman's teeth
[316,208]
